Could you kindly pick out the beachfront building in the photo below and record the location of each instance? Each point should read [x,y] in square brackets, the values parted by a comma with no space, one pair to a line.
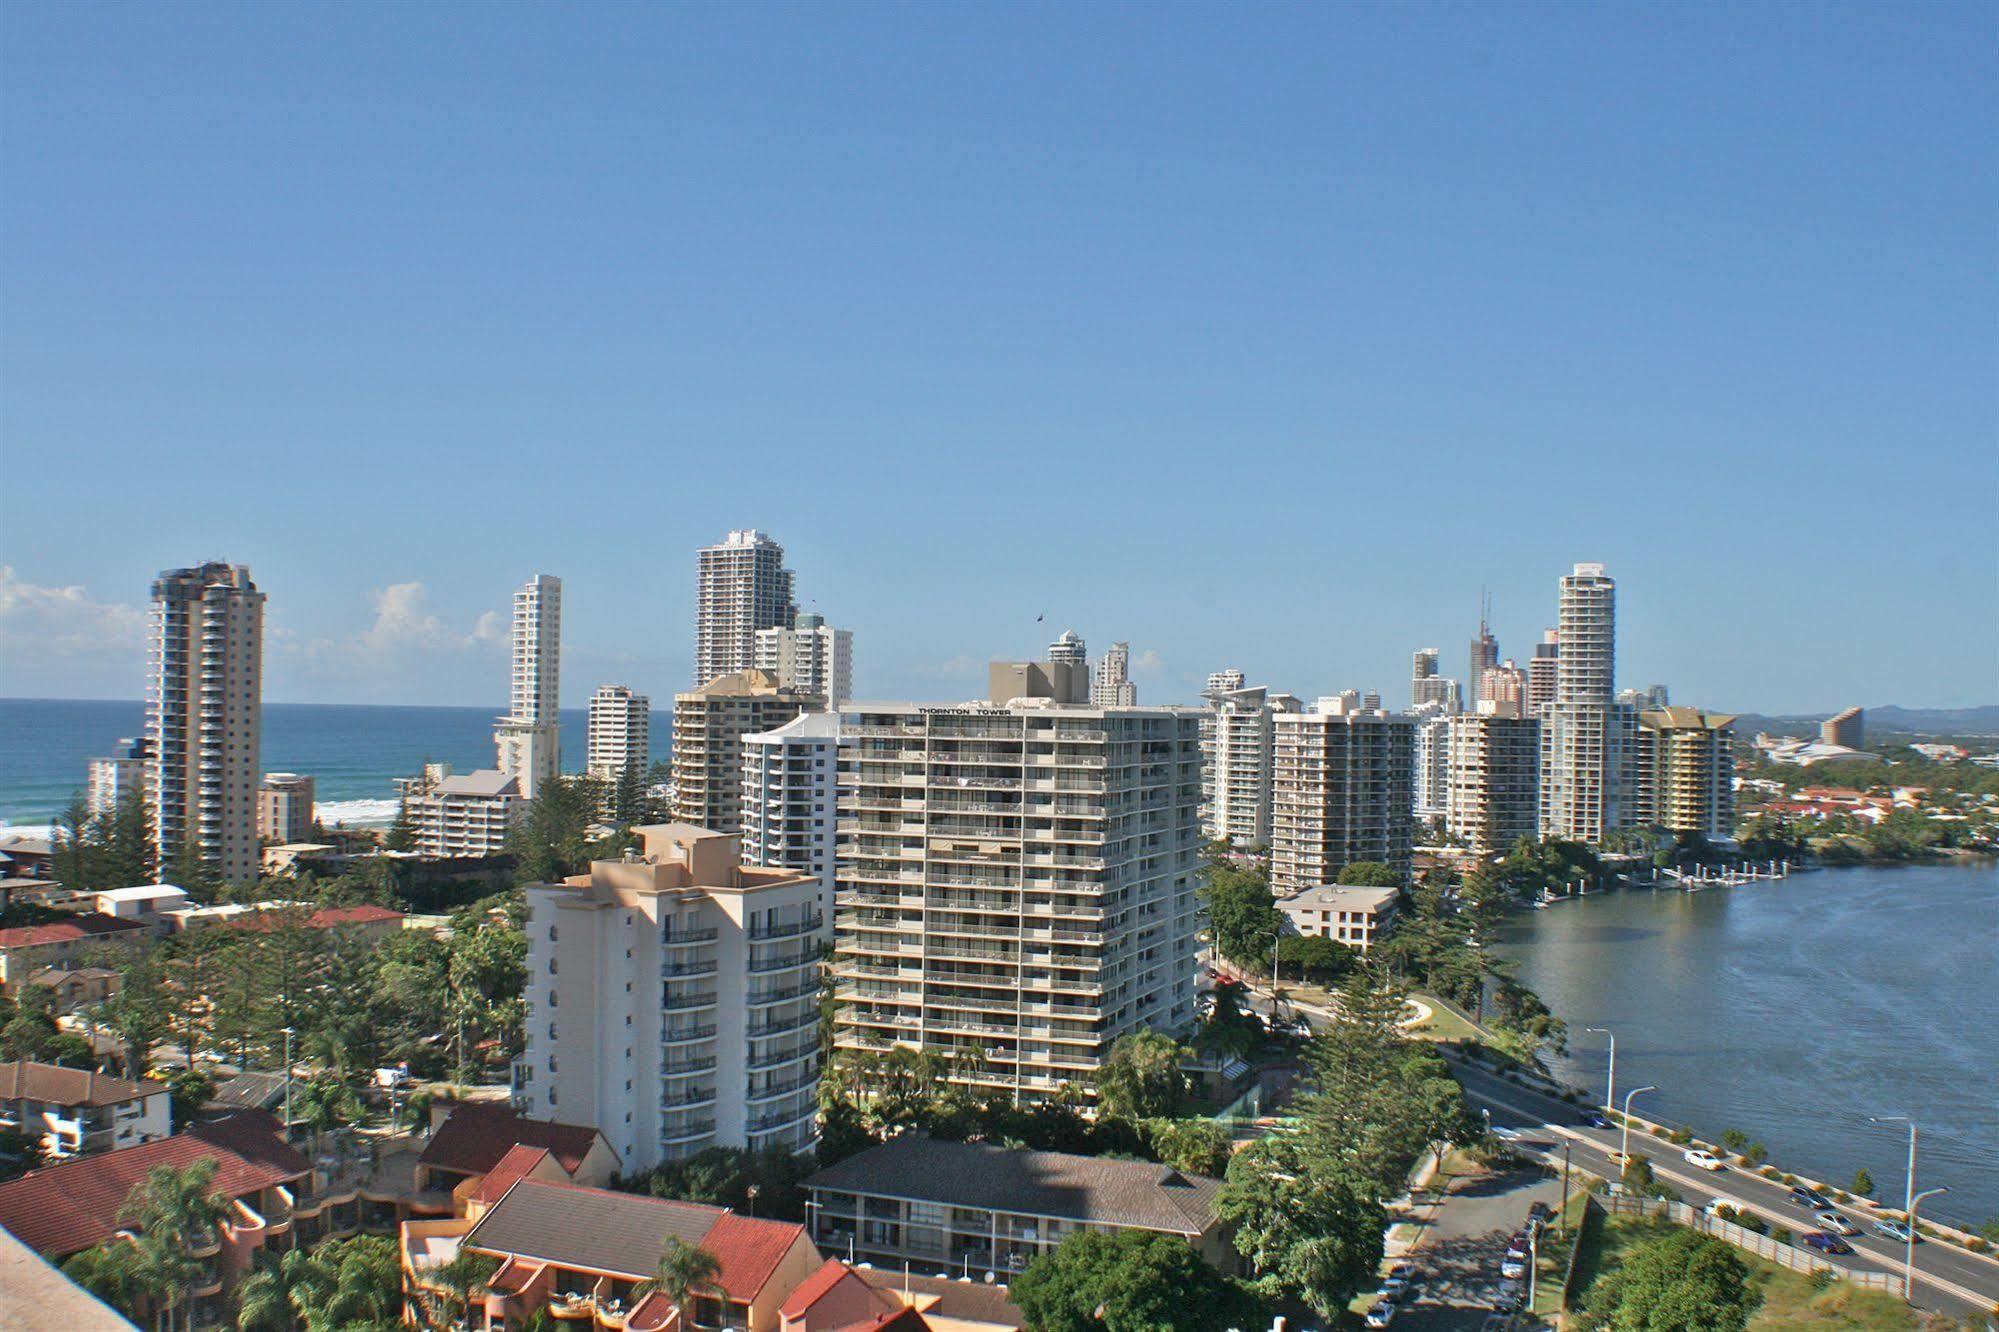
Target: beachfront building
[284,808]
[809,656]
[709,725]
[740,587]
[528,739]
[460,814]
[1342,791]
[618,741]
[1494,781]
[673,1000]
[1016,878]
[204,717]
[109,778]
[790,799]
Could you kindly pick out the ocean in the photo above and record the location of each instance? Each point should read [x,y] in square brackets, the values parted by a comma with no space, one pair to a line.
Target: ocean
[354,751]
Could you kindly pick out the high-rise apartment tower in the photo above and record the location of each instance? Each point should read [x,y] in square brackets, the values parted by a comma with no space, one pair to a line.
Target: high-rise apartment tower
[741,586]
[528,739]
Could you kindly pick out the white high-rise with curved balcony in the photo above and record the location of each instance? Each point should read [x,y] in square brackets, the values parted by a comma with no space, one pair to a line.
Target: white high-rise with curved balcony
[528,739]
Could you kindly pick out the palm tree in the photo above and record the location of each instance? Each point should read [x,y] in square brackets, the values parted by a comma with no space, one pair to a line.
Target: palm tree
[684,1271]
[112,1271]
[173,1210]
[453,1284]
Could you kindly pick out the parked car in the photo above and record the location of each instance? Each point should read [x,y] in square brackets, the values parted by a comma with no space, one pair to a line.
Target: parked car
[1381,1315]
[1835,1222]
[1824,1243]
[1810,1199]
[1514,1269]
[1512,1294]
[1394,1290]
[1403,1272]
[1703,1158]
[1895,1230]
[1595,1119]
[1505,1134]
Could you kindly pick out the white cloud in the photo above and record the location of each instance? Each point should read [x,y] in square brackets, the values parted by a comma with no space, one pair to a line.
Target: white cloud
[404,627]
[65,622]
[1148,663]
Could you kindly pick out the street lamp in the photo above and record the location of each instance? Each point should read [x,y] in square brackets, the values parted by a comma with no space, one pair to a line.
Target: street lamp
[1624,1143]
[1909,1259]
[1908,1201]
[1610,1086]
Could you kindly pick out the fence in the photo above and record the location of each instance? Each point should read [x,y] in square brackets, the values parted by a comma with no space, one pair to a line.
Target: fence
[1763,1246]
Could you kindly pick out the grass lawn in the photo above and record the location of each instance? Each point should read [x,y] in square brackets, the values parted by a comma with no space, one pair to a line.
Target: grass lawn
[1791,1303]
[1443,1024]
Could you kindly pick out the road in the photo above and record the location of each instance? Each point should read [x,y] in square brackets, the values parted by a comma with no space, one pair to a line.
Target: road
[1947,1278]
[1462,1247]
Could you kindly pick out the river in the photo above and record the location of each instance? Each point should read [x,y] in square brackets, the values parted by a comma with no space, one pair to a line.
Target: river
[1793,1010]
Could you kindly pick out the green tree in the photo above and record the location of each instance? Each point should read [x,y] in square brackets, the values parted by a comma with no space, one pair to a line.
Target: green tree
[1863,1182]
[125,841]
[1243,918]
[173,1210]
[451,1287]
[1139,1280]
[1307,1224]
[1733,1141]
[115,1272]
[19,1153]
[1369,874]
[1677,1281]
[1191,1146]
[552,838]
[401,835]
[75,862]
[1141,1078]
[685,1270]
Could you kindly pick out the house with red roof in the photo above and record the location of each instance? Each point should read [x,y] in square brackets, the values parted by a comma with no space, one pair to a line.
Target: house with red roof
[26,950]
[473,1140]
[842,1298]
[64,1209]
[589,1254]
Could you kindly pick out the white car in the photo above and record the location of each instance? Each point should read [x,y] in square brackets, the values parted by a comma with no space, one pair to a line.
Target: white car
[1836,1222]
[1381,1315]
[1706,1160]
[1505,1134]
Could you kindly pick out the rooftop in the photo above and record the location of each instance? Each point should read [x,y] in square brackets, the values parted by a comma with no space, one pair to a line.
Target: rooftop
[22,1079]
[478,1135]
[85,925]
[625,1233]
[62,1209]
[1341,897]
[1054,1184]
[487,782]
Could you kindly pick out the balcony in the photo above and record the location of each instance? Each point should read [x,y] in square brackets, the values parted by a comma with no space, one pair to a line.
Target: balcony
[687,1035]
[788,929]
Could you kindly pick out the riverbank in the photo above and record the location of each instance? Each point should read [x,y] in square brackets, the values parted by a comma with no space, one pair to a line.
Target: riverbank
[1792,1010]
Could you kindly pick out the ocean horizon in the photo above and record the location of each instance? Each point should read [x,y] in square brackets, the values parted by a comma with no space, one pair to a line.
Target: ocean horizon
[353,751]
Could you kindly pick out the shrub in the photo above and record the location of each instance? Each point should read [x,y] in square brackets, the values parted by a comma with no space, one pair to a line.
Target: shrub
[1863,1183]
[1768,1172]
[1658,1132]
[1681,1136]
[1787,1179]
[1754,1154]
[1734,1140]
[1839,1195]
[1976,1245]
[1782,1234]
[1820,1279]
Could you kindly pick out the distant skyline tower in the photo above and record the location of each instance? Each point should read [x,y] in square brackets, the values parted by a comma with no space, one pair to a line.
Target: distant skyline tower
[1484,649]
[1542,669]
[1112,687]
[528,739]
[1581,745]
[204,717]
[1426,687]
[1070,648]
[741,586]
[618,737]
[1504,683]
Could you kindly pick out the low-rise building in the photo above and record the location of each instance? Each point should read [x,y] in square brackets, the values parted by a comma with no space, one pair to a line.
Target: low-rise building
[26,950]
[285,807]
[842,1297]
[77,1111]
[142,902]
[469,1140]
[582,1253]
[465,814]
[64,1209]
[1354,916]
[73,988]
[968,1208]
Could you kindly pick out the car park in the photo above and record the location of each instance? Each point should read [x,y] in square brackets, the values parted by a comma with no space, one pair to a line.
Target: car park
[1835,1222]
[1381,1315]
[1895,1230]
[1394,1290]
[1702,1158]
[1824,1243]
[1810,1199]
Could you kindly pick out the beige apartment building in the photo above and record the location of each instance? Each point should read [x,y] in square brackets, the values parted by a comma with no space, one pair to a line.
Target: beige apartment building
[1342,790]
[462,814]
[1016,878]
[284,808]
[618,739]
[709,726]
[1685,772]
[1354,916]
[1239,742]
[1495,777]
[673,1000]
[204,716]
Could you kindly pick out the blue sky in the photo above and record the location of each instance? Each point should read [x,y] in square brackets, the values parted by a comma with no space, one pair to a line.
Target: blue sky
[1256,335]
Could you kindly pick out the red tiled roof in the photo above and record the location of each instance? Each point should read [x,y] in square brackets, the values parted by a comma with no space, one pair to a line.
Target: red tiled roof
[69,1086]
[85,925]
[62,1209]
[654,1313]
[322,919]
[519,1159]
[749,1250]
[905,1319]
[812,1288]
[479,1134]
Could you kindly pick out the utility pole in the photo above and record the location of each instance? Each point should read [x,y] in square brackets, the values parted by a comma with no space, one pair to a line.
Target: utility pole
[1561,1217]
